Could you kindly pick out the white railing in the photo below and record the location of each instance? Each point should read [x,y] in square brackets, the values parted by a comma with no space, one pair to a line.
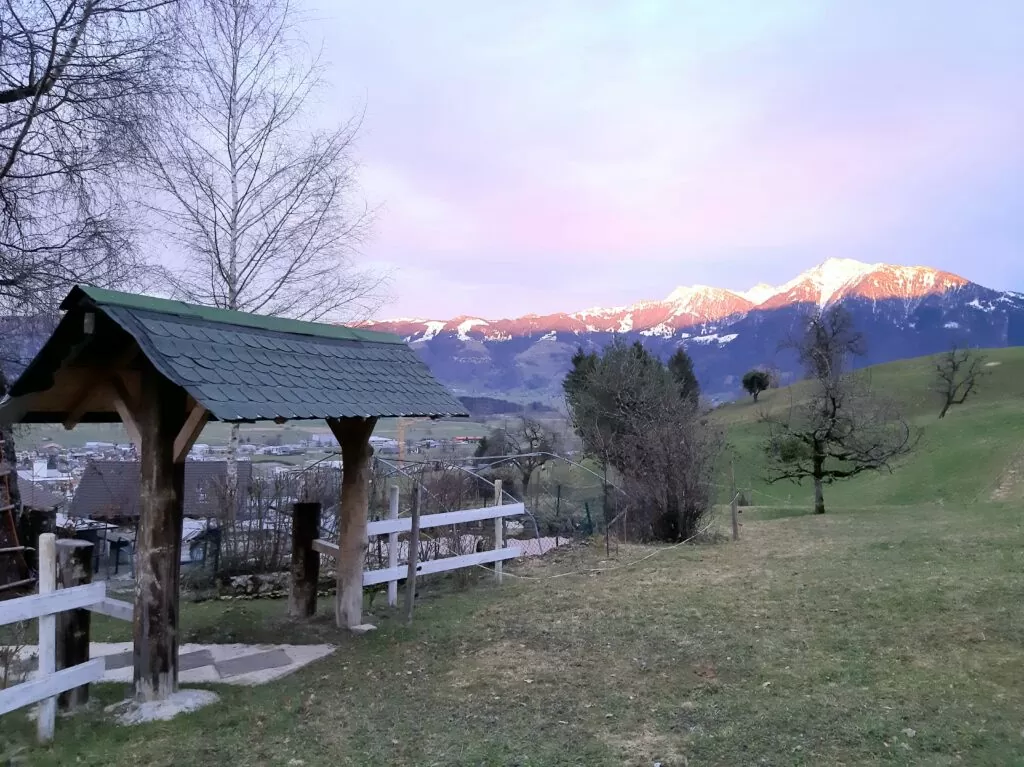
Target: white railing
[393,526]
[44,606]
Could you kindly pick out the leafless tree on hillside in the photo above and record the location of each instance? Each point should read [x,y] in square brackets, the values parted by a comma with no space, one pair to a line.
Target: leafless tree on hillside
[957,374]
[841,429]
[527,441]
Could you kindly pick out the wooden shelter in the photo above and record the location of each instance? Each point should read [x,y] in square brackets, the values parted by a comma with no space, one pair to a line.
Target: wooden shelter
[165,368]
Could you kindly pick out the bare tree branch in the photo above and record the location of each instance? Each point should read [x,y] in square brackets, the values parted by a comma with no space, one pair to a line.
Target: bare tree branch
[76,78]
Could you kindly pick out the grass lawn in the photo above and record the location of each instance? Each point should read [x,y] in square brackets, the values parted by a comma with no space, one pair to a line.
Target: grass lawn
[875,636]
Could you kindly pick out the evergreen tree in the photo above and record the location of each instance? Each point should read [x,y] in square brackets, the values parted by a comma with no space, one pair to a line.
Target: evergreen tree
[681,367]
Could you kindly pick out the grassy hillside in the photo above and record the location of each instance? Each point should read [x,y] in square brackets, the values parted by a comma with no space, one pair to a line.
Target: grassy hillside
[975,454]
[863,637]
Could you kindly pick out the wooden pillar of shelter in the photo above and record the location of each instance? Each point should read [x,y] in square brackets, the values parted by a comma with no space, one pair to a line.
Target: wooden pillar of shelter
[353,434]
[161,416]
[305,560]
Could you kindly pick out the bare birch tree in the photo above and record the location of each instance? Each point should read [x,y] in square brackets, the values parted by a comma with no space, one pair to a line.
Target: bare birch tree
[262,205]
[76,78]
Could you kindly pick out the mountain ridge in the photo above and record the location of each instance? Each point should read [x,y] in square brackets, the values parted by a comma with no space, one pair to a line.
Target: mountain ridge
[691,306]
[902,312]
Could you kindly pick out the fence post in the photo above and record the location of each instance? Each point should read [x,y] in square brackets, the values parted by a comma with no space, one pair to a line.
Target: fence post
[393,545]
[47,634]
[499,531]
[414,553]
[305,561]
[734,505]
[74,568]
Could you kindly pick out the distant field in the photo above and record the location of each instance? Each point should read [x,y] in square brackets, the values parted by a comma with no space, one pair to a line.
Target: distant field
[974,455]
[217,433]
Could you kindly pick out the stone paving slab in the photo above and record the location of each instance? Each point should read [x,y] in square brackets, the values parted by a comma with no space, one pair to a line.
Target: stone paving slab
[246,664]
[117,660]
[190,660]
[237,664]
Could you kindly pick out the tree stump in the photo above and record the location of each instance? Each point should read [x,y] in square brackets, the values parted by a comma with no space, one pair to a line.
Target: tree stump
[74,568]
[305,561]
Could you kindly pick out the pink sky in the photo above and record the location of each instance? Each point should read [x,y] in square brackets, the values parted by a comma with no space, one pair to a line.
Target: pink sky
[546,156]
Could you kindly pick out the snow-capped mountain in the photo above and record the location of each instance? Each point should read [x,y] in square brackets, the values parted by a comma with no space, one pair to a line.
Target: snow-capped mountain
[904,311]
[688,307]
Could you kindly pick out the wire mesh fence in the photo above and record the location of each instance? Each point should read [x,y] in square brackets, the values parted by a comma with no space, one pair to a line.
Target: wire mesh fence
[565,501]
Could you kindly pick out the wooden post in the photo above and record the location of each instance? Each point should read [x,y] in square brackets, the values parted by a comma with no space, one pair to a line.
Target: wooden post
[305,561]
[353,434]
[734,504]
[393,545]
[499,531]
[414,554]
[158,541]
[74,568]
[47,634]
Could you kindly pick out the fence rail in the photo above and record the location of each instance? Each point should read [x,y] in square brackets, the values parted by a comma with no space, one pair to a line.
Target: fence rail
[444,519]
[391,527]
[40,605]
[27,693]
[45,606]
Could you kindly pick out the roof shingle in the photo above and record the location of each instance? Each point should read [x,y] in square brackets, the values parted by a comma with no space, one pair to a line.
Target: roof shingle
[245,367]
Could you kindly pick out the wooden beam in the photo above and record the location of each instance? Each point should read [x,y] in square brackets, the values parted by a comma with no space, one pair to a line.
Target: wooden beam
[126,408]
[353,434]
[106,381]
[189,433]
[80,405]
[161,416]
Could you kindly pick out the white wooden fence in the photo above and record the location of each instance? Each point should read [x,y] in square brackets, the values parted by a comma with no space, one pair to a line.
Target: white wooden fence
[393,526]
[49,682]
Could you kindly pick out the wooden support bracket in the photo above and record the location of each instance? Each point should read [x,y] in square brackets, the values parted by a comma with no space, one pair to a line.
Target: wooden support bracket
[189,431]
[81,403]
[126,408]
[113,385]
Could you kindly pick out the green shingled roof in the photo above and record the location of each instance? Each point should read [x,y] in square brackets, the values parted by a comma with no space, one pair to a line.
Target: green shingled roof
[245,367]
[103,297]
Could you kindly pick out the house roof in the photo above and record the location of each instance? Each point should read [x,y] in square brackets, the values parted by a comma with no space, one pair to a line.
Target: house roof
[38,498]
[241,366]
[111,489]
